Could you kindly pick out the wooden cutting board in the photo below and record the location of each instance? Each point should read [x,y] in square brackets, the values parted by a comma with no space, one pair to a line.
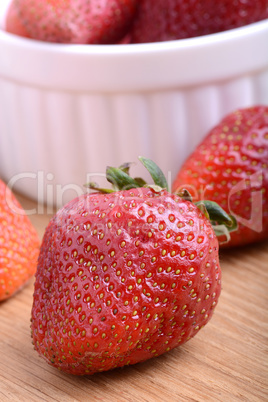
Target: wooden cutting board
[226,361]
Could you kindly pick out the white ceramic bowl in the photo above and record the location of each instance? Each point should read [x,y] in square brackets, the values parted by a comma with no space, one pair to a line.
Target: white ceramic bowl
[67,111]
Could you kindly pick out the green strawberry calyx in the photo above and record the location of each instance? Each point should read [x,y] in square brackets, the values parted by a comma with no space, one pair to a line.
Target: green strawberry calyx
[222,223]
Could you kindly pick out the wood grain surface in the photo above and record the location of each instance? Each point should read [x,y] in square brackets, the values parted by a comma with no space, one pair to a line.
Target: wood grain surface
[226,361]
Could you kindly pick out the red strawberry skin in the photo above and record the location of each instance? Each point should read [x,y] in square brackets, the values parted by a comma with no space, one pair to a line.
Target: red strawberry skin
[159,20]
[19,245]
[76,21]
[13,23]
[231,167]
[122,278]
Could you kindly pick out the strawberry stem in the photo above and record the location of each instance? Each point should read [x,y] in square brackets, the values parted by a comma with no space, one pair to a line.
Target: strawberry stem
[185,195]
[120,179]
[155,172]
[126,167]
[222,223]
[215,212]
[95,186]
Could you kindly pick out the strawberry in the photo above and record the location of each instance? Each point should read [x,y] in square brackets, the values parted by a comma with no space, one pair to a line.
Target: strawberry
[159,20]
[124,276]
[76,21]
[231,167]
[13,23]
[19,245]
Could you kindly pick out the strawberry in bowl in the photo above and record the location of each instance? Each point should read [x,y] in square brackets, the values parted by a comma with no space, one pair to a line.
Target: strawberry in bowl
[135,21]
[72,21]
[159,20]
[125,274]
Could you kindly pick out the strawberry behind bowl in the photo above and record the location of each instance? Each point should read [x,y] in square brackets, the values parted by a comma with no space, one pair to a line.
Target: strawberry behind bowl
[124,275]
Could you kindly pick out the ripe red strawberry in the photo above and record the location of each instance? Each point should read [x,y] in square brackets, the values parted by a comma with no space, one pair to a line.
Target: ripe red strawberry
[123,277]
[13,23]
[76,21]
[231,167]
[159,20]
[19,245]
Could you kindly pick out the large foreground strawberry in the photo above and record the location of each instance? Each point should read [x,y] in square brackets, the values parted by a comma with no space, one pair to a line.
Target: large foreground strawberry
[73,21]
[159,20]
[19,245]
[231,167]
[124,276]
